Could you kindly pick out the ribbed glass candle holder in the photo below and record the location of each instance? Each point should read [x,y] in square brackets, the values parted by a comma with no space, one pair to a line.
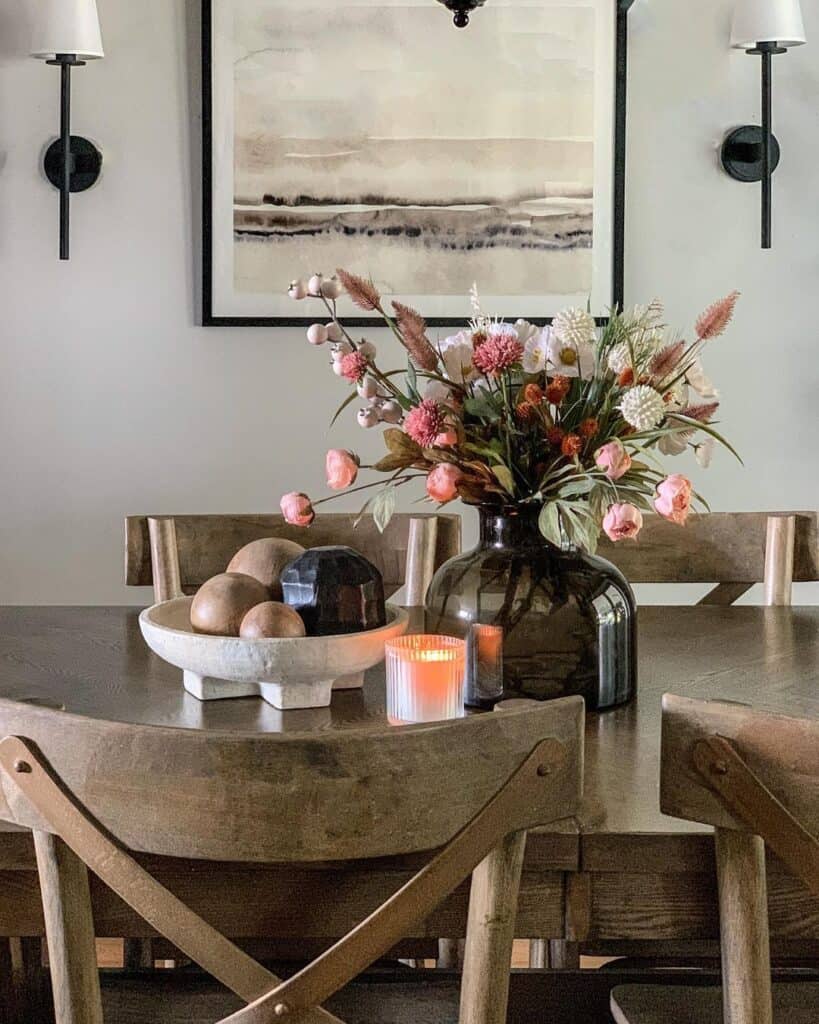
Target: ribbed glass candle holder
[425,678]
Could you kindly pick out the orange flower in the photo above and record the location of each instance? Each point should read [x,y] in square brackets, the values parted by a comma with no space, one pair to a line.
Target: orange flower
[558,389]
[589,427]
[533,394]
[626,378]
[554,435]
[524,412]
[571,445]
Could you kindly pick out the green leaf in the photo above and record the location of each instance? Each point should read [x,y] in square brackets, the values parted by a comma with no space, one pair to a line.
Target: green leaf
[482,406]
[504,477]
[400,443]
[412,381]
[389,463]
[347,401]
[383,508]
[549,523]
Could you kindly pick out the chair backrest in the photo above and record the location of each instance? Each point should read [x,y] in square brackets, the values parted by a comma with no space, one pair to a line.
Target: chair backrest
[732,549]
[754,776]
[353,792]
[474,785]
[407,552]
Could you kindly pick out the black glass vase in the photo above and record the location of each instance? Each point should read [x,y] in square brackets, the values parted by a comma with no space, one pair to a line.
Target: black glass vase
[568,618]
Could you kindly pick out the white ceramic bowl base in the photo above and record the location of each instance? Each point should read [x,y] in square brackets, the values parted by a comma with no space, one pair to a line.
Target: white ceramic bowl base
[289,673]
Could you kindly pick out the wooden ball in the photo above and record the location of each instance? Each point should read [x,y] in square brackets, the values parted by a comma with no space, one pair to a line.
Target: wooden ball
[271,619]
[264,560]
[222,602]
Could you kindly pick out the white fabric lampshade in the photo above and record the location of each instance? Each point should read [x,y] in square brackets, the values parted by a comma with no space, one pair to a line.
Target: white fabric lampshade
[66,26]
[767,21]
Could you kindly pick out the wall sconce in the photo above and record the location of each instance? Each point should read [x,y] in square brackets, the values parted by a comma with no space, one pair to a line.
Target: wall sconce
[750,153]
[461,10]
[67,34]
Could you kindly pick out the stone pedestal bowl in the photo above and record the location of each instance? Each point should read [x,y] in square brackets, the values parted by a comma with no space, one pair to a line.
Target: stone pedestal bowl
[292,672]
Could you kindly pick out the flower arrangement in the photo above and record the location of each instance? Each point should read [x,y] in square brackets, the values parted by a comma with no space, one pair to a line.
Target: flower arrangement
[569,418]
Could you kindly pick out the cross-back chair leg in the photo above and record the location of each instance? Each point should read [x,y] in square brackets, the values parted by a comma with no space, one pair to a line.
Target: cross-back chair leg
[493,906]
[72,954]
[743,911]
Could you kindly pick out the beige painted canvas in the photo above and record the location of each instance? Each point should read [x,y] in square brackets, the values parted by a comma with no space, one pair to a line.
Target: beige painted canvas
[378,137]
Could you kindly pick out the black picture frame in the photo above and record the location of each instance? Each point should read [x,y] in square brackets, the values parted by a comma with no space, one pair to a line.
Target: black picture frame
[209,319]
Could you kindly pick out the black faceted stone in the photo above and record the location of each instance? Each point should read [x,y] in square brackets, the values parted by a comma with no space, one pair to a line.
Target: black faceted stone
[335,590]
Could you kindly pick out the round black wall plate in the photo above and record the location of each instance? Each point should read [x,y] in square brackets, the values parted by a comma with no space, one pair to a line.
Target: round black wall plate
[742,153]
[87,161]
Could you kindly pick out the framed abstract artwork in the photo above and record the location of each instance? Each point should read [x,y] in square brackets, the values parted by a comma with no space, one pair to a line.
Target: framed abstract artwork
[375,136]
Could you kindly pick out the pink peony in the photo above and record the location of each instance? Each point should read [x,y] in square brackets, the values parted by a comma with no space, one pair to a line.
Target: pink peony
[498,352]
[342,469]
[297,510]
[623,522]
[447,438]
[673,500]
[425,422]
[442,482]
[614,459]
[353,366]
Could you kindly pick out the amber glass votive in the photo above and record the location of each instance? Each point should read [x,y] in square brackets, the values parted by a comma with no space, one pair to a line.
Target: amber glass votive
[425,678]
[484,666]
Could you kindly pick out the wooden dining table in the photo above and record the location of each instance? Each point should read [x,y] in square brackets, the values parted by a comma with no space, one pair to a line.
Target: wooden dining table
[621,878]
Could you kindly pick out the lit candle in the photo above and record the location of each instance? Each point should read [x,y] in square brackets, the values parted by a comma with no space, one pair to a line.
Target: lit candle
[425,677]
[484,665]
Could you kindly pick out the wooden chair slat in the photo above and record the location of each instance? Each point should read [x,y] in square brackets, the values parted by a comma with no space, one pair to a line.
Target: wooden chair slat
[206,543]
[716,547]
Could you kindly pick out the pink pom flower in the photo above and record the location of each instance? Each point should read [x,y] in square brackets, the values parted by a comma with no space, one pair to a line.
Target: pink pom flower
[497,353]
[613,459]
[623,522]
[447,438]
[353,366]
[442,482]
[297,509]
[425,422]
[342,469]
[673,501]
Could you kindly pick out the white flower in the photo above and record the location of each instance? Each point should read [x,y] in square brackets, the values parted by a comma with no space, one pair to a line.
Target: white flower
[438,392]
[524,330]
[570,360]
[642,407]
[695,375]
[704,452]
[676,443]
[574,327]
[535,350]
[619,358]
[456,352]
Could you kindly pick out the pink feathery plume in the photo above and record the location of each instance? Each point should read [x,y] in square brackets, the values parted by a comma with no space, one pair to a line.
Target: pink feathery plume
[716,318]
[413,329]
[363,293]
[664,362]
[701,413]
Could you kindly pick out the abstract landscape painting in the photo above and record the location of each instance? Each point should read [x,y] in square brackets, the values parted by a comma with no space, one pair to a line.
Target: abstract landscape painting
[374,135]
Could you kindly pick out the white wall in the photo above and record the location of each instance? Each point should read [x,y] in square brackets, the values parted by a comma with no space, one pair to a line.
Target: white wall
[112,401]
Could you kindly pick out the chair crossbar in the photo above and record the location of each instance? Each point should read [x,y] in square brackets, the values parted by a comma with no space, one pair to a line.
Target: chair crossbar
[750,801]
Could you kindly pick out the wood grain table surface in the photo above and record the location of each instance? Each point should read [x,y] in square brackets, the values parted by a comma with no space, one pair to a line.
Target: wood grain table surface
[624,871]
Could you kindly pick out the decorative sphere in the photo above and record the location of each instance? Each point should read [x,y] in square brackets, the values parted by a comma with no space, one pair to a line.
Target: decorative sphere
[391,412]
[314,285]
[271,619]
[368,418]
[317,334]
[461,19]
[222,602]
[264,560]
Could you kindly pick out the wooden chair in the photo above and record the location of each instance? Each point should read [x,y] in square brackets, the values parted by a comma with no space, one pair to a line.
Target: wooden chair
[95,793]
[735,550]
[176,554]
[754,776]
